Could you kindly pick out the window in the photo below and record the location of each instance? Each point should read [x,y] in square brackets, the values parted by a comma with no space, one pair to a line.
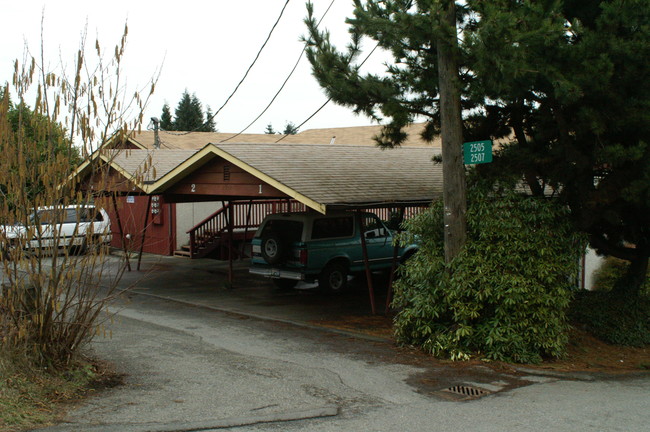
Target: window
[373,227]
[287,229]
[70,216]
[332,227]
[47,217]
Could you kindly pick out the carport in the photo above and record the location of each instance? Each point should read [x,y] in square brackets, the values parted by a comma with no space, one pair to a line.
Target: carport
[321,177]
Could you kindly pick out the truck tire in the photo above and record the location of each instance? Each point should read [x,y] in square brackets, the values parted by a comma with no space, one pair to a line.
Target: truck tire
[333,278]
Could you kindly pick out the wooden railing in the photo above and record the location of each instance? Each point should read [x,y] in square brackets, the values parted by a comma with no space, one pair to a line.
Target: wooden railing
[248,215]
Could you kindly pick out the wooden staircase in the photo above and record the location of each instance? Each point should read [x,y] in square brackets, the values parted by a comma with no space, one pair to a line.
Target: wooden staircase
[212,237]
[184,251]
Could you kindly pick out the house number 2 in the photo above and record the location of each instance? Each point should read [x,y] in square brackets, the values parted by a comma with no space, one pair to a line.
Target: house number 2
[193,188]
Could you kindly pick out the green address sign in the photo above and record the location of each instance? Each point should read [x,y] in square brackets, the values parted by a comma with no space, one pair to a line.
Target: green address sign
[477,152]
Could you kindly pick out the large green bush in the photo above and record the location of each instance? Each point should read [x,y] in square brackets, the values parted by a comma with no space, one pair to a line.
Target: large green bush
[505,297]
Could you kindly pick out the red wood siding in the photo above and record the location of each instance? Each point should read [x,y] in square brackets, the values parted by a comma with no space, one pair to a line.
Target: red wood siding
[160,236]
[220,177]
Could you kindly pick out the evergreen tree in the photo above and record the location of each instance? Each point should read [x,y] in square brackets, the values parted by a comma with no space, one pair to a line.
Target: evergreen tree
[290,129]
[166,121]
[407,91]
[564,78]
[38,140]
[269,129]
[189,114]
[209,124]
[420,35]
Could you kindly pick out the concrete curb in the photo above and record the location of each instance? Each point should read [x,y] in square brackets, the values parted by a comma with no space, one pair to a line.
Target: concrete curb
[580,375]
[307,414]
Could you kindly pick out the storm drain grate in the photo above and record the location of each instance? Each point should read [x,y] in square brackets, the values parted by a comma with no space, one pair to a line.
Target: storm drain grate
[466,391]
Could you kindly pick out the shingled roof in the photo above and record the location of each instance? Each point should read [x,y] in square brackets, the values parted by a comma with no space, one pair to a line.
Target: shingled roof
[346,176]
[147,165]
[321,176]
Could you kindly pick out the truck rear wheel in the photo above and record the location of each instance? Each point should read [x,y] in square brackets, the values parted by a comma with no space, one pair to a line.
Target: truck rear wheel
[333,278]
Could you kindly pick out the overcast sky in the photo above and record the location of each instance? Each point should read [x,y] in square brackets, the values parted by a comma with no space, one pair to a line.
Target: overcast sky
[202,46]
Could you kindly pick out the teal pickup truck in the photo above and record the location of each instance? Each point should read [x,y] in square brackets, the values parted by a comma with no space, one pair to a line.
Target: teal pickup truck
[309,246]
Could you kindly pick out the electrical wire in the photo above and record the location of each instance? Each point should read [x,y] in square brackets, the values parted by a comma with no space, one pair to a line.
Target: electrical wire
[259,52]
[283,84]
[328,100]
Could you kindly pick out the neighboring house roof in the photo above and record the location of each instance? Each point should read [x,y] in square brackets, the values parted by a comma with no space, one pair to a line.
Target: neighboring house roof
[321,176]
[195,140]
[359,135]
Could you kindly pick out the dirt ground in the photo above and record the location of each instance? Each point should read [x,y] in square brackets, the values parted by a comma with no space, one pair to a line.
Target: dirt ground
[585,353]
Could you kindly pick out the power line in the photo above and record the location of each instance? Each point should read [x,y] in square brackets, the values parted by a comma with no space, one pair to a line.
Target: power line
[283,84]
[328,100]
[259,52]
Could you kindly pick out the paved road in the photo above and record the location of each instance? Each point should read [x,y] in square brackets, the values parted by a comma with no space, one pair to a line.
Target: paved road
[193,368]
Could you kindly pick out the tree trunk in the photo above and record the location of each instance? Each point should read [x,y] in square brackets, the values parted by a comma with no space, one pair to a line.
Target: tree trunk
[454,185]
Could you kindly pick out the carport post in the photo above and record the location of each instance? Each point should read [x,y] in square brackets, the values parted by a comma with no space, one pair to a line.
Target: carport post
[389,295]
[364,248]
[119,226]
[248,221]
[231,215]
[144,230]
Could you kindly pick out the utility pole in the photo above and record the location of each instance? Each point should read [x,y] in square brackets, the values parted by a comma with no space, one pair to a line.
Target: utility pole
[454,194]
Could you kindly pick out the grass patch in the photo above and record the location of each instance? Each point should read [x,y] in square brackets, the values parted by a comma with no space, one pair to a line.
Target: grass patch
[31,397]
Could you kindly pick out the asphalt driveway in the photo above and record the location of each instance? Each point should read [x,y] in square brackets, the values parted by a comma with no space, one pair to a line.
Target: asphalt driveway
[195,354]
[204,282]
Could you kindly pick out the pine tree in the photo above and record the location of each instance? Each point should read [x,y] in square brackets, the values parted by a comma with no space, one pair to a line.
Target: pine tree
[166,121]
[564,79]
[290,129]
[269,129]
[189,114]
[418,34]
[209,125]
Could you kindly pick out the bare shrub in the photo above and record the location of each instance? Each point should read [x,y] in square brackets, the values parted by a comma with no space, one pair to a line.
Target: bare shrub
[54,290]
